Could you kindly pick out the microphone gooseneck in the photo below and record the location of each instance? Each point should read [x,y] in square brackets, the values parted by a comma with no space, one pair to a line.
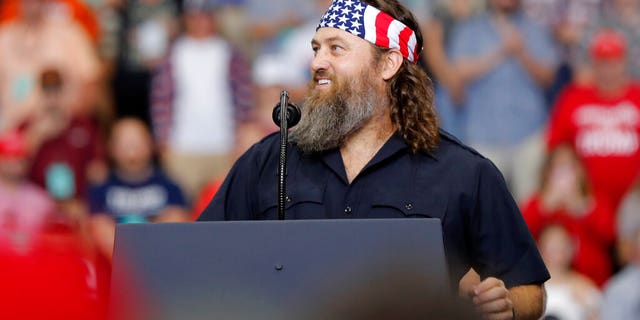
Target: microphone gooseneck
[292,114]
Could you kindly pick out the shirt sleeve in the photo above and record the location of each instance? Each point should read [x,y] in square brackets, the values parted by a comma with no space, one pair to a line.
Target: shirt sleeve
[241,87]
[162,93]
[502,245]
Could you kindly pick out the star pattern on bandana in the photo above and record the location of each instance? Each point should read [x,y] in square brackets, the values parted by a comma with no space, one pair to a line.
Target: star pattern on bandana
[346,15]
[371,24]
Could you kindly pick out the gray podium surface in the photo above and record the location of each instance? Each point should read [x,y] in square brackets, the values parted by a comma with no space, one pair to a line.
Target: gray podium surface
[272,269]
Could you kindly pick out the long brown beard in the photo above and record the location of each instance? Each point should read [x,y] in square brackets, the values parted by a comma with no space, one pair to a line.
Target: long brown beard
[329,118]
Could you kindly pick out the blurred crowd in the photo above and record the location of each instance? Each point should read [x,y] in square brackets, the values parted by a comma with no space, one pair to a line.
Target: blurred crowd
[125,111]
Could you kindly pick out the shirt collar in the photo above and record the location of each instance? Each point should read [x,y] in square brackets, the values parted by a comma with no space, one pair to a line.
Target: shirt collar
[396,144]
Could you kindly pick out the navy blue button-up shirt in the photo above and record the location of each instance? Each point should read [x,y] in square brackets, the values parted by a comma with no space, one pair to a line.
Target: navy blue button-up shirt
[482,226]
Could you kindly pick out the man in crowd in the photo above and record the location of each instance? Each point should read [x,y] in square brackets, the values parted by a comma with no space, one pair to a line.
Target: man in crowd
[368,146]
[622,16]
[602,121]
[505,61]
[201,101]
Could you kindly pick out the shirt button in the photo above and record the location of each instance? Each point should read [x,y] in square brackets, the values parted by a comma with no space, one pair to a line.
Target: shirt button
[288,199]
[347,210]
[408,206]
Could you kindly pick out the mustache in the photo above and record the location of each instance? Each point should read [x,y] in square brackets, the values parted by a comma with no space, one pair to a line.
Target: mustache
[317,75]
[321,73]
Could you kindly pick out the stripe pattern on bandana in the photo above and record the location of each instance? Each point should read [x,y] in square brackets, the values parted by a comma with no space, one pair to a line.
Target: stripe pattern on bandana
[371,24]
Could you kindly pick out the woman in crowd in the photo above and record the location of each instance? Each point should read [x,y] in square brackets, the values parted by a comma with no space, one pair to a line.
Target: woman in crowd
[565,198]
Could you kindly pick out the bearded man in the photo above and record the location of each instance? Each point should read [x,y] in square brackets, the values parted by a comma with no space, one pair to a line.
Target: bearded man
[368,146]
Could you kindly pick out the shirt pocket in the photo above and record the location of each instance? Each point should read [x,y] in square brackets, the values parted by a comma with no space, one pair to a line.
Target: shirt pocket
[300,203]
[403,205]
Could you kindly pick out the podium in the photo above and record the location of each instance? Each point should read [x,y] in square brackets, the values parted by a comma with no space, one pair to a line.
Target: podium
[293,269]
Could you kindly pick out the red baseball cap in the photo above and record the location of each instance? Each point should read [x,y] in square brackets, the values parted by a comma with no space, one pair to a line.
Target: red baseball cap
[12,145]
[608,44]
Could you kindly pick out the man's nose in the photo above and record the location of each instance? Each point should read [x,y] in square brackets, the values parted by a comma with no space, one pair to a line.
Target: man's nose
[320,61]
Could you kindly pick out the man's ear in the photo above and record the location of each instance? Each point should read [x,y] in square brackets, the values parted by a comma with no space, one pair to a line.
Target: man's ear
[391,63]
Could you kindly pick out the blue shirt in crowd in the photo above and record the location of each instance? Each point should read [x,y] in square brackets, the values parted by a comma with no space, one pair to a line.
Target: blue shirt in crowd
[137,201]
[506,105]
[482,226]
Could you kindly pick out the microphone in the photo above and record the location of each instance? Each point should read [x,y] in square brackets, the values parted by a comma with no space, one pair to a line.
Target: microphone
[292,114]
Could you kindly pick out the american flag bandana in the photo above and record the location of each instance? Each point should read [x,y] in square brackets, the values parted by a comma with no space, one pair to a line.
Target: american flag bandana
[371,24]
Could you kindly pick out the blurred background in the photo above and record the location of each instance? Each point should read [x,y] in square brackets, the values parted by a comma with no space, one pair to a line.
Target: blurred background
[124,111]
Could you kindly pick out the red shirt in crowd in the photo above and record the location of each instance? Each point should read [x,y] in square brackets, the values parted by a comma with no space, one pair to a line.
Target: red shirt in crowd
[73,150]
[53,277]
[593,234]
[604,132]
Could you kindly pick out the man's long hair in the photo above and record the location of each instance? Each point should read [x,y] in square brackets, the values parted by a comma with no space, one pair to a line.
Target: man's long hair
[410,90]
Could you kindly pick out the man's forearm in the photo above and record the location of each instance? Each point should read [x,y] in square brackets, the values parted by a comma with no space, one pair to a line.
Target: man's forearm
[528,301]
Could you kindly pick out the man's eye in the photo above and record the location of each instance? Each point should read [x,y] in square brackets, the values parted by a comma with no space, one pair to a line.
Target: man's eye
[336,48]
